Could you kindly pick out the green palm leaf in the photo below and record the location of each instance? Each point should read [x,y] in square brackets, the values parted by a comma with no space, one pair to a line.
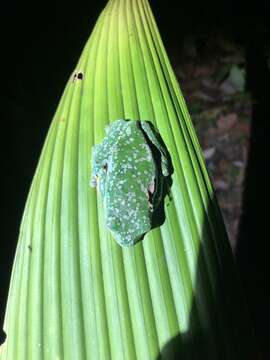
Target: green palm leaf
[75,293]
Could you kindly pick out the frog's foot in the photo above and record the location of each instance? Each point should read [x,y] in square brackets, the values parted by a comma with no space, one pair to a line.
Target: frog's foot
[150,195]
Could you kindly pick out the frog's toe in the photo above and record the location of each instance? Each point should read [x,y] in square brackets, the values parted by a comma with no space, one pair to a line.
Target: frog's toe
[150,195]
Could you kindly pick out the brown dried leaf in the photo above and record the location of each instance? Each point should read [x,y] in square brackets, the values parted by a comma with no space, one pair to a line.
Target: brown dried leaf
[226,122]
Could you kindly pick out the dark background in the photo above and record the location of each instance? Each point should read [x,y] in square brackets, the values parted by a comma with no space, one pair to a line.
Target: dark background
[40,46]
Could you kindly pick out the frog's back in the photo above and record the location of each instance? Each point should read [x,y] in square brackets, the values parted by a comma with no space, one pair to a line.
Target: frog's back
[132,171]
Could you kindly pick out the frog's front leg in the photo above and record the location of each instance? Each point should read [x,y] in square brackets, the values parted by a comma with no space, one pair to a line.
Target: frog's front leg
[154,136]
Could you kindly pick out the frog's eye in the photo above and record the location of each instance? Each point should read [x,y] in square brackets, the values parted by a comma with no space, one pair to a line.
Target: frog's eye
[105,167]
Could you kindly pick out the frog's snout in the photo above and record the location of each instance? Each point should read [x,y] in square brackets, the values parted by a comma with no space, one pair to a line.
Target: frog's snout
[94,182]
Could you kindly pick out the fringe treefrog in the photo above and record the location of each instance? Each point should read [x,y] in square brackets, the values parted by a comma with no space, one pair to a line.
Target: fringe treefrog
[126,173]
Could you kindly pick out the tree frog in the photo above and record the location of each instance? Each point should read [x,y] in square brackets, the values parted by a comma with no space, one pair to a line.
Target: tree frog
[125,171]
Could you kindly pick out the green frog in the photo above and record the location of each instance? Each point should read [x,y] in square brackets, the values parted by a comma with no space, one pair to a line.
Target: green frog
[126,173]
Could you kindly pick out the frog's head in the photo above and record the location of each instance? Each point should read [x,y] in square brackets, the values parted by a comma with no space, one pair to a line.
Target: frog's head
[99,168]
